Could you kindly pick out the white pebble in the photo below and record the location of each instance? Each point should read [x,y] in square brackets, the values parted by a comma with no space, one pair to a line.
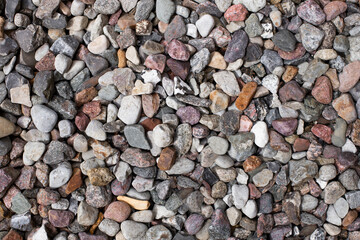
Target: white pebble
[205,24]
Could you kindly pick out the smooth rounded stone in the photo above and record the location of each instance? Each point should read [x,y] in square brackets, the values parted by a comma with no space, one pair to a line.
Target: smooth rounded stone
[164,10]
[327,172]
[308,203]
[240,195]
[224,161]
[250,209]
[130,109]
[205,24]
[86,214]
[341,207]
[261,133]
[218,145]
[275,17]
[227,82]
[106,7]
[194,223]
[145,216]
[109,227]
[118,211]
[284,40]
[95,129]
[263,178]
[349,77]
[77,8]
[133,230]
[326,54]
[163,135]
[62,63]
[80,144]
[99,45]
[333,191]
[74,69]
[332,217]
[333,9]
[60,175]
[158,232]
[311,37]
[77,24]
[44,118]
[6,127]
[132,55]
[135,136]
[108,93]
[189,115]
[332,230]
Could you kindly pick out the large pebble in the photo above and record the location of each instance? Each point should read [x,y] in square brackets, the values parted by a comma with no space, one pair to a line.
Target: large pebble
[44,118]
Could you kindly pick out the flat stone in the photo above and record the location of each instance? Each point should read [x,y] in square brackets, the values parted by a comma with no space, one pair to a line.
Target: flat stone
[237,46]
[135,135]
[227,82]
[349,77]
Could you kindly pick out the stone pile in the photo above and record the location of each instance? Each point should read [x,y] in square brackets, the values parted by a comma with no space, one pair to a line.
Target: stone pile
[179,119]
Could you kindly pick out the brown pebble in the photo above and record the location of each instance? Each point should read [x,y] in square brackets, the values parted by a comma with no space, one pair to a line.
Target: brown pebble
[167,158]
[246,95]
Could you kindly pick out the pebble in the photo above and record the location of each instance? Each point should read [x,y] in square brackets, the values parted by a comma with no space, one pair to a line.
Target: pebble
[205,24]
[311,37]
[99,45]
[44,118]
[348,77]
[261,134]
[252,5]
[130,109]
[135,135]
[60,175]
[228,83]
[106,7]
[133,230]
[7,128]
[345,108]
[237,46]
[95,130]
[118,211]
